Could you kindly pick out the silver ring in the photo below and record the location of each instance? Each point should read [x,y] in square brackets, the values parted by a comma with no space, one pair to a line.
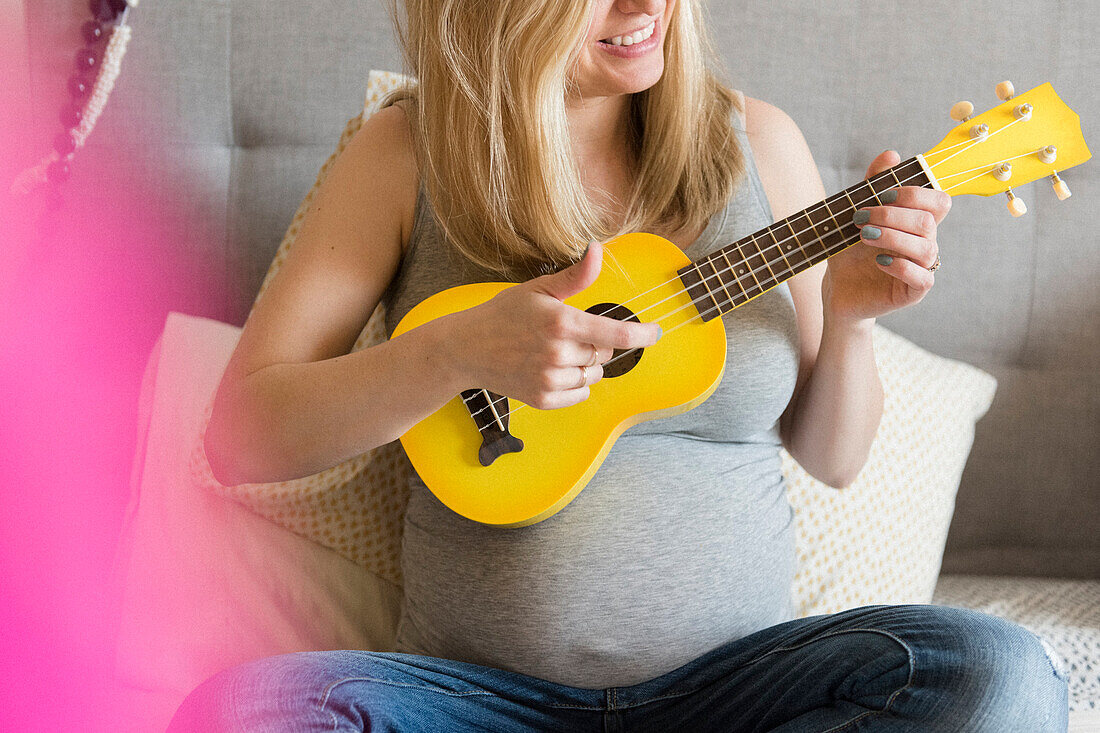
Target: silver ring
[595,355]
[584,377]
[935,265]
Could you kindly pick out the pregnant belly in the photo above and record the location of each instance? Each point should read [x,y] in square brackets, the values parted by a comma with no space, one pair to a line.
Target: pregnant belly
[675,547]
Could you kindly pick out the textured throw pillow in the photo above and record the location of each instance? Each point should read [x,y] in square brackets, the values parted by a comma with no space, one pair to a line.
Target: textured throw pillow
[881,539]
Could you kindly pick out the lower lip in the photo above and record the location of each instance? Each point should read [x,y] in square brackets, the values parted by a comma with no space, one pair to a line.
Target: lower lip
[636,49]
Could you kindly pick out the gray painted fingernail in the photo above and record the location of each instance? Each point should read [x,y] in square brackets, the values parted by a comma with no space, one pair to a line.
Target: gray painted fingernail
[861,217]
[888,197]
[871,232]
[884,260]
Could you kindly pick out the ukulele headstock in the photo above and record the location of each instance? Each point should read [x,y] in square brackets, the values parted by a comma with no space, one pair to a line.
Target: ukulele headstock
[1027,137]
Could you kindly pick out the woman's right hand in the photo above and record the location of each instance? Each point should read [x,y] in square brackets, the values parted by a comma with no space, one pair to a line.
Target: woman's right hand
[525,343]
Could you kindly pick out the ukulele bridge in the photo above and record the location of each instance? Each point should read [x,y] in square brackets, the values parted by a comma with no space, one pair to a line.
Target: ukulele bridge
[489,411]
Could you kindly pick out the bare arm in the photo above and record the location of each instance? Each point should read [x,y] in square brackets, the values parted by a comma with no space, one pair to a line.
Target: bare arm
[293,401]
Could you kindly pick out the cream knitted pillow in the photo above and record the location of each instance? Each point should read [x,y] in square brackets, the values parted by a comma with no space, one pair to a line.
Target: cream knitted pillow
[881,539]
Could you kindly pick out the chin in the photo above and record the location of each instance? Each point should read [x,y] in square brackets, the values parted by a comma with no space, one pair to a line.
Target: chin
[647,82]
[630,83]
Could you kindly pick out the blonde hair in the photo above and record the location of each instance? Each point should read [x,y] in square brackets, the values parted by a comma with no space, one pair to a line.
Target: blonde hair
[493,145]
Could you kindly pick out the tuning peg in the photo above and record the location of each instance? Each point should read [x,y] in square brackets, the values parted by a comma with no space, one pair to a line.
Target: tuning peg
[1004,172]
[979,132]
[1061,190]
[1005,91]
[1015,205]
[1049,154]
[1023,111]
[962,111]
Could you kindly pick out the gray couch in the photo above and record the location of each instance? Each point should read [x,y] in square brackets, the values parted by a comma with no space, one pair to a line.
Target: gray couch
[226,109]
[243,101]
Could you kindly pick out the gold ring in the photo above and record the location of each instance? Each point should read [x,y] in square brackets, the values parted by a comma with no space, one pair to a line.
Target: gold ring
[935,265]
[584,377]
[595,355]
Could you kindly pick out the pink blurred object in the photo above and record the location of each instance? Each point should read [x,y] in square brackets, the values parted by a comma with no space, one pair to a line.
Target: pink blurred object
[206,584]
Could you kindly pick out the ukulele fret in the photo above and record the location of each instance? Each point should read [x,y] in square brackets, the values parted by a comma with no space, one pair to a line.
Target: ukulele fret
[751,269]
[728,272]
[716,284]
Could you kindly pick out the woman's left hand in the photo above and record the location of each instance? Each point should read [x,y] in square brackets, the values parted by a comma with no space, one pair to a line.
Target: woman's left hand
[857,285]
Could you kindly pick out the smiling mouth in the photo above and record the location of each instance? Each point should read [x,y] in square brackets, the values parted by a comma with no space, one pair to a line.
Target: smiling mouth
[630,39]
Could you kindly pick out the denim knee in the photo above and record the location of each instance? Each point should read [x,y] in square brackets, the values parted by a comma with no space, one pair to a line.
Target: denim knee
[1006,678]
[274,693]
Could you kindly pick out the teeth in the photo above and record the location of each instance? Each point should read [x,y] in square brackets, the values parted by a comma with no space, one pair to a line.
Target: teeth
[631,38]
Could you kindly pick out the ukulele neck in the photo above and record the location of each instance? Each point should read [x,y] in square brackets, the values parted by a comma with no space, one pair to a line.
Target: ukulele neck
[739,272]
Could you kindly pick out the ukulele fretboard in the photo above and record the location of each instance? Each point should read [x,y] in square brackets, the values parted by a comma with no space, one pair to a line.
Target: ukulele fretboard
[737,273]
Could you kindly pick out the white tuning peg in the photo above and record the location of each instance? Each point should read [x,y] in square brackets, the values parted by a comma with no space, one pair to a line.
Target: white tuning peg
[979,132]
[1015,205]
[962,111]
[1049,154]
[1005,91]
[1004,172]
[1061,190]
[1022,112]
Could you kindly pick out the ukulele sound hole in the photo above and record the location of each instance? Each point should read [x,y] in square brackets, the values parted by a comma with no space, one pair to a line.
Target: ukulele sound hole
[618,364]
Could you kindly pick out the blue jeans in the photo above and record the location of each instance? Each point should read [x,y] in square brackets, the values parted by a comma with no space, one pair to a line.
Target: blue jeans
[880,668]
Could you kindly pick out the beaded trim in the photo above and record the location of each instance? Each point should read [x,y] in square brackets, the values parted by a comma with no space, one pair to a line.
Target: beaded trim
[90,111]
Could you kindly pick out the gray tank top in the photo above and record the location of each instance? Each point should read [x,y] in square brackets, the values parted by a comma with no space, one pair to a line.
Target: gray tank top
[683,540]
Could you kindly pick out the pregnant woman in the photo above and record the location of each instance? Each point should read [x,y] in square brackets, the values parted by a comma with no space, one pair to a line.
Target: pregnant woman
[659,598]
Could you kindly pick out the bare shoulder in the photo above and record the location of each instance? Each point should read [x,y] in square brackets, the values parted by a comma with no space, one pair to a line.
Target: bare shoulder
[349,246]
[383,149]
[783,159]
[760,114]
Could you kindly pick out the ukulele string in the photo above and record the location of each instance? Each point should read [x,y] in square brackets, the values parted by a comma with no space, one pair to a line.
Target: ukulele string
[760,269]
[777,243]
[984,170]
[825,203]
[843,244]
[975,141]
[838,247]
[951,147]
[717,273]
[968,143]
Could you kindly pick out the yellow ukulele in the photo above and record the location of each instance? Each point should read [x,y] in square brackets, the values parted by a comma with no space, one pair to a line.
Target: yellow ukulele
[498,461]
